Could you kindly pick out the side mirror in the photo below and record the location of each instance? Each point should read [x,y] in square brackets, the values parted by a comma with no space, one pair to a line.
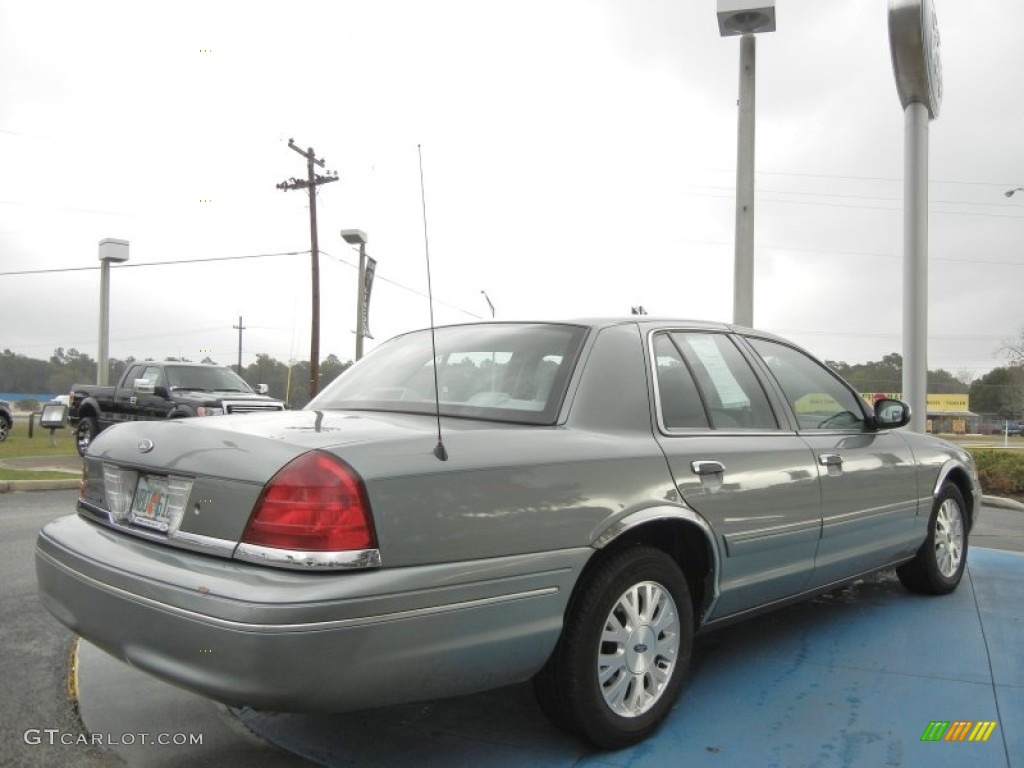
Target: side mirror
[891,414]
[143,386]
[262,389]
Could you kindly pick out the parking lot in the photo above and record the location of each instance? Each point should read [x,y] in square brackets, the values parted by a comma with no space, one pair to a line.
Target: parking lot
[852,678]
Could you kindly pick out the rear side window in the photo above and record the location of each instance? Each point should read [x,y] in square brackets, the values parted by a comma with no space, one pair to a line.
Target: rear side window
[704,380]
[679,402]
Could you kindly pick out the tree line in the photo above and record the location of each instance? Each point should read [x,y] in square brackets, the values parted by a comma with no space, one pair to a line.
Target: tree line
[66,368]
[1000,392]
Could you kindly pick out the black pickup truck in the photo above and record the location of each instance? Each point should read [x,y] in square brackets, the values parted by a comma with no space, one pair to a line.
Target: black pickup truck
[153,390]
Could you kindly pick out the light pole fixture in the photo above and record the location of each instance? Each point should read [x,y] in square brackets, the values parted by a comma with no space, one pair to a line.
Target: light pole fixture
[358,237]
[1010,192]
[110,250]
[745,18]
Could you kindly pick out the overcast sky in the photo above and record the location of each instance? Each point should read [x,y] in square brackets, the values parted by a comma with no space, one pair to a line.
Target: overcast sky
[579,159]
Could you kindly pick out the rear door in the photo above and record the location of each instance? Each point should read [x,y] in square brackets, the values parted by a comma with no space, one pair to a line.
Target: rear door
[868,483]
[754,481]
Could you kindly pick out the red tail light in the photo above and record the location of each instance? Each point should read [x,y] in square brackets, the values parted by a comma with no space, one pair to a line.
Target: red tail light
[315,503]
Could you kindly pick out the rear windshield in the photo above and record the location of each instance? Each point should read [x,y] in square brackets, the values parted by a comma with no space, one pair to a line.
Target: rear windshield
[515,372]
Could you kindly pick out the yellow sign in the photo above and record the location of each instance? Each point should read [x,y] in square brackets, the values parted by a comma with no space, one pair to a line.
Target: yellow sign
[936,403]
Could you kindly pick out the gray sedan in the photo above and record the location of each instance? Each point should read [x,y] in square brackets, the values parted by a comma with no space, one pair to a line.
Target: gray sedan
[563,502]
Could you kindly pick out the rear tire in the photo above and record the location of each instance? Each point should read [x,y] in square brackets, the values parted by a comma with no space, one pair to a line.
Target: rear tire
[84,434]
[624,651]
[939,564]
[5,428]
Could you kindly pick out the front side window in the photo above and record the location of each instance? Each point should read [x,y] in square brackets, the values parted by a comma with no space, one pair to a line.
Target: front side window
[152,375]
[514,372]
[818,399]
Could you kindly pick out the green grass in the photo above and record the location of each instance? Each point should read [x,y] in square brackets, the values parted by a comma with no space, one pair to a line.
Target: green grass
[18,444]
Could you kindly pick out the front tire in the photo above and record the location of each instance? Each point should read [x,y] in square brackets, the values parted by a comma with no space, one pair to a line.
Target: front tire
[5,428]
[939,564]
[84,434]
[624,651]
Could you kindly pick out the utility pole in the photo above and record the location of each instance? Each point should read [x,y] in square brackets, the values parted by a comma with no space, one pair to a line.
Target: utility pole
[311,182]
[239,328]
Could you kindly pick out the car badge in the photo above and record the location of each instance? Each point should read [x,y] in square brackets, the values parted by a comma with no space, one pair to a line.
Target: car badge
[146,446]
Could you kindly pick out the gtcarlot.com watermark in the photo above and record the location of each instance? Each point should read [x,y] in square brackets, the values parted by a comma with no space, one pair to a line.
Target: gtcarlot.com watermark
[54,737]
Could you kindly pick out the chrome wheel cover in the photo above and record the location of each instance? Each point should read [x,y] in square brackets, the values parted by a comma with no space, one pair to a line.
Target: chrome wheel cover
[638,649]
[949,538]
[83,436]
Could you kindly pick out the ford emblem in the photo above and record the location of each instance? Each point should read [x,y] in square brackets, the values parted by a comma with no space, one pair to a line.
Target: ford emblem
[146,446]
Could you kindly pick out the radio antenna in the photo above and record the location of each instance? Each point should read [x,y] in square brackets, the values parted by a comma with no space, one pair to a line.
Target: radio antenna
[439,449]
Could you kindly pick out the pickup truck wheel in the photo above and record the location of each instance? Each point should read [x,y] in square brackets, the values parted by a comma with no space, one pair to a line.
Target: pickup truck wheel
[84,434]
[624,651]
[5,428]
[939,564]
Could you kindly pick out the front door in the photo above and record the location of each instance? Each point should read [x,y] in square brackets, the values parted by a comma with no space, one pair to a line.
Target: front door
[868,483]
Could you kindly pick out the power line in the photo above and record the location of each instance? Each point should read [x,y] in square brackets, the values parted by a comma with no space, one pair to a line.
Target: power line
[894,209]
[395,283]
[152,263]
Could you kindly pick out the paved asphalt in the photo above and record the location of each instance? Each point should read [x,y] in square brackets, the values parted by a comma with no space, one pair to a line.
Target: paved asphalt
[852,678]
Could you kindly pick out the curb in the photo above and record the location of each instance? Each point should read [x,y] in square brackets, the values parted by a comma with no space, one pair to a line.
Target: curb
[999,501]
[11,486]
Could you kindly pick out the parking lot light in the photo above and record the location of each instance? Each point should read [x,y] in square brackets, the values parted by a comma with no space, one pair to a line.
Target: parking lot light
[111,249]
[358,237]
[745,18]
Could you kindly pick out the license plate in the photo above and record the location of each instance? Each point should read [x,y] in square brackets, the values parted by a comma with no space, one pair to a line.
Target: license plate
[151,504]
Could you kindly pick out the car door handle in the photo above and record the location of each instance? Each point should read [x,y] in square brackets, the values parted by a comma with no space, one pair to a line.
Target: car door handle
[706,467]
[830,459]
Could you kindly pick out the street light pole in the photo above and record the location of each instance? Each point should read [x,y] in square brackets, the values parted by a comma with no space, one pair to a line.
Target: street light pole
[358,237]
[745,18]
[743,280]
[489,304]
[110,250]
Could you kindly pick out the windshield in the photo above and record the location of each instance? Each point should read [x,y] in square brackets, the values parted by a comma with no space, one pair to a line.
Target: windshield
[203,379]
[514,372]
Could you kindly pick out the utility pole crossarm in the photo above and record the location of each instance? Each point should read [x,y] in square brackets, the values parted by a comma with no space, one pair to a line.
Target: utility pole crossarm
[309,154]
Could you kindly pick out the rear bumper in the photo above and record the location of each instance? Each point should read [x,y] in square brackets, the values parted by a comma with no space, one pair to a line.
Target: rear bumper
[270,639]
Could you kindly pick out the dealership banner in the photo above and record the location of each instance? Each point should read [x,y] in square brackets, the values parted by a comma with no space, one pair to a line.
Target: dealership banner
[371,267]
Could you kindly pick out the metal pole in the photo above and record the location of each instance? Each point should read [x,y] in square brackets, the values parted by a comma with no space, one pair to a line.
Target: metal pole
[103,363]
[743,275]
[361,302]
[314,344]
[240,328]
[915,263]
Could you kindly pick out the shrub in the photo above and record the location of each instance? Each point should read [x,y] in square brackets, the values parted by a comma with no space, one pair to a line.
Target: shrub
[1001,472]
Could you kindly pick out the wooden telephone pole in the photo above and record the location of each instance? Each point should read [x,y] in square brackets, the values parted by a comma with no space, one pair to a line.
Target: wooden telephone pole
[311,182]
